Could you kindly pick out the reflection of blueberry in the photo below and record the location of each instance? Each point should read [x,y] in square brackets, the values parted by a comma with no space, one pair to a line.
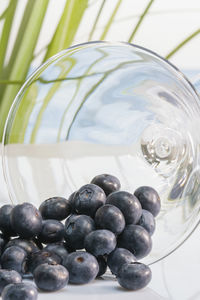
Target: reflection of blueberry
[82,266]
[102,261]
[52,231]
[7,277]
[14,258]
[149,199]
[19,291]
[5,225]
[100,242]
[42,257]
[26,220]
[88,199]
[134,276]
[128,204]
[147,221]
[51,277]
[119,257]
[28,245]
[58,249]
[108,183]
[76,229]
[55,208]
[111,218]
[136,239]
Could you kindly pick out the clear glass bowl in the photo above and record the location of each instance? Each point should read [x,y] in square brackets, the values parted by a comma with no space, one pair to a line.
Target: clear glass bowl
[108,108]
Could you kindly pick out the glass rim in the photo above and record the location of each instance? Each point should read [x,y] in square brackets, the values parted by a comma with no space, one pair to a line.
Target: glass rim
[62,52]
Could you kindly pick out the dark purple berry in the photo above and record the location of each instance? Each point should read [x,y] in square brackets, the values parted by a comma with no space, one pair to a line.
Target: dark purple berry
[88,199]
[55,208]
[119,257]
[5,224]
[82,266]
[42,257]
[26,220]
[147,221]
[134,276]
[76,229]
[136,239]
[51,277]
[108,183]
[100,242]
[7,277]
[110,217]
[3,242]
[128,204]
[102,261]
[52,231]
[149,199]
[28,245]
[14,258]
[19,291]
[59,249]
[71,203]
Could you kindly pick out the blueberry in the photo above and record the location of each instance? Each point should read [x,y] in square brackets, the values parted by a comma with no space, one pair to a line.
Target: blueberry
[59,250]
[111,218]
[147,221]
[52,231]
[134,276]
[51,277]
[19,291]
[3,241]
[100,242]
[149,199]
[42,257]
[28,245]
[26,220]
[128,204]
[82,266]
[88,199]
[102,261]
[38,243]
[119,257]
[71,202]
[14,258]
[55,208]
[108,183]
[76,229]
[136,239]
[7,277]
[5,224]
[68,247]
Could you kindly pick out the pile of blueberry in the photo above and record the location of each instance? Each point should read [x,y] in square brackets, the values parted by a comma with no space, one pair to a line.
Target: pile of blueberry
[104,227]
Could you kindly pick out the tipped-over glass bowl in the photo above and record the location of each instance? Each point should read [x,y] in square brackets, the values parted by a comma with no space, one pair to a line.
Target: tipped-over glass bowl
[108,108]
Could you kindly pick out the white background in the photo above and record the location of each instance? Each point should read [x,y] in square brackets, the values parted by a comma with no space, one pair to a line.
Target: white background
[167,24]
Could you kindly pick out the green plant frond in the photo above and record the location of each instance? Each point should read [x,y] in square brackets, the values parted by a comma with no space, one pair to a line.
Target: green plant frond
[19,125]
[67,27]
[4,13]
[21,31]
[110,21]
[23,57]
[96,20]
[142,16]
[8,20]
[185,41]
